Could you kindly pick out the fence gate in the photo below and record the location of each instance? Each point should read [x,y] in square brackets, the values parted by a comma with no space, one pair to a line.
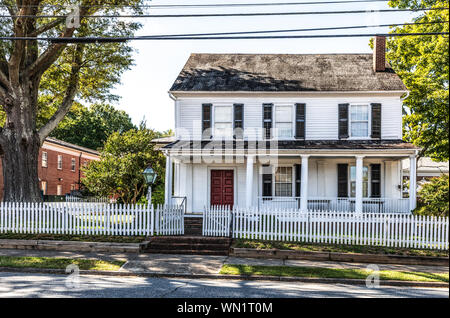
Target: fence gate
[217,221]
[169,220]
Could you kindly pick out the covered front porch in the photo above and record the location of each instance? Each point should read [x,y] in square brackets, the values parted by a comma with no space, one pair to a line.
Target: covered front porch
[341,181]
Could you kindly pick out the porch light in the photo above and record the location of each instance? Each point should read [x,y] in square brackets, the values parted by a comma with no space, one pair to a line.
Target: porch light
[149,177]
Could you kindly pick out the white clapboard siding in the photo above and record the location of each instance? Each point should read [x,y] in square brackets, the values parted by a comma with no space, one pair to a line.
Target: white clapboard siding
[217,221]
[90,219]
[377,229]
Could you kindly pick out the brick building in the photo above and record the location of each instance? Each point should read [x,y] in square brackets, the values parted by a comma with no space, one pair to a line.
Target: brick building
[59,166]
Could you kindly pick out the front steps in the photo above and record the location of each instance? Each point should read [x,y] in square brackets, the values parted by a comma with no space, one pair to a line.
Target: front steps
[189,244]
[193,226]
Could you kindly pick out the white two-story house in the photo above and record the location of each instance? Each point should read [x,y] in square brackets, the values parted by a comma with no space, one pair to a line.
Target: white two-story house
[303,131]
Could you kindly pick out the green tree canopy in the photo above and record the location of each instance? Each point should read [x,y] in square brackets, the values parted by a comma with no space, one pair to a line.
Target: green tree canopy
[40,80]
[423,64]
[433,197]
[91,127]
[122,161]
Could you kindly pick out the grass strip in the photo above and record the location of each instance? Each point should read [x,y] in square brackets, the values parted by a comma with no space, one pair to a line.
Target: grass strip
[320,272]
[59,263]
[309,247]
[70,237]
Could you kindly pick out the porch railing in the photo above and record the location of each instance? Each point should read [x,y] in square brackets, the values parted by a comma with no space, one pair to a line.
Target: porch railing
[370,205]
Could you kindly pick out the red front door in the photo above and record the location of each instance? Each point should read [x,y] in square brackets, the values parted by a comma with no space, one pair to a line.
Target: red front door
[222,187]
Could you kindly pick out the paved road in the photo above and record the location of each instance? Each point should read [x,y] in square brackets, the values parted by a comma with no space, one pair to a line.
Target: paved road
[44,285]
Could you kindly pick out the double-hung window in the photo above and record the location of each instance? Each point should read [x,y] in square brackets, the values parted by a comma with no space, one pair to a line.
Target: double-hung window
[59,162]
[283,121]
[44,159]
[283,182]
[72,164]
[359,121]
[223,121]
[365,181]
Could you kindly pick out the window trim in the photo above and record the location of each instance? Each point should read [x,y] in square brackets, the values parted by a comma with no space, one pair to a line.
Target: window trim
[369,121]
[213,121]
[275,122]
[58,162]
[46,159]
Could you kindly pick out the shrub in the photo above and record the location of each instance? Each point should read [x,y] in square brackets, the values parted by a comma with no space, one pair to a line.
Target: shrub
[433,197]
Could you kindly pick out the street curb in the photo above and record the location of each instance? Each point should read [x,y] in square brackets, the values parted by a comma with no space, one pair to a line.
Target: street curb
[70,246]
[339,257]
[383,283]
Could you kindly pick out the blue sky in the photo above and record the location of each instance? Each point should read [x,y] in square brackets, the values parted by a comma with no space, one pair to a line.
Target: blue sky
[157,63]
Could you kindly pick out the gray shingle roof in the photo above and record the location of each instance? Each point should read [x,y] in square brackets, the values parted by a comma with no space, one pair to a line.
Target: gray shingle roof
[284,72]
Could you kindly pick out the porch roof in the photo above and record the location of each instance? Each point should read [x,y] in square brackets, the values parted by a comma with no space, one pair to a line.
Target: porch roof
[291,145]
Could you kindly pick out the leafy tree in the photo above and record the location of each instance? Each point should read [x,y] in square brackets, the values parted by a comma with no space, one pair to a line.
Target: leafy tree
[122,161]
[39,80]
[423,64]
[433,197]
[91,127]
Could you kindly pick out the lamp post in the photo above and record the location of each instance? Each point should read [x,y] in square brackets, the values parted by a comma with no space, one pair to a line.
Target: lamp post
[149,177]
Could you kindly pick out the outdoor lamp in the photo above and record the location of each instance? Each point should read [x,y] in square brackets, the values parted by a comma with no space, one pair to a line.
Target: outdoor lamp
[149,177]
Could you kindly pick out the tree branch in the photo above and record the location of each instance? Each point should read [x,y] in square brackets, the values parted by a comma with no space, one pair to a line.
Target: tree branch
[46,27]
[68,98]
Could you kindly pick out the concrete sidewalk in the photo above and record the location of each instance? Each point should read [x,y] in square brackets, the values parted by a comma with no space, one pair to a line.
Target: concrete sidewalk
[205,264]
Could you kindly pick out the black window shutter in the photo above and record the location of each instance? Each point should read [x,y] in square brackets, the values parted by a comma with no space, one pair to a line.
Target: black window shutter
[376,120]
[343,121]
[238,120]
[342,180]
[375,177]
[267,184]
[298,179]
[300,113]
[206,121]
[267,120]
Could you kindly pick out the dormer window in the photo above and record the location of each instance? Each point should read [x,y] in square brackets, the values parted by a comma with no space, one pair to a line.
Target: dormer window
[359,121]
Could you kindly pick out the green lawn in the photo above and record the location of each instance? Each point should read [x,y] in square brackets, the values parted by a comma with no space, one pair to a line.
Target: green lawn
[59,263]
[330,273]
[69,237]
[318,247]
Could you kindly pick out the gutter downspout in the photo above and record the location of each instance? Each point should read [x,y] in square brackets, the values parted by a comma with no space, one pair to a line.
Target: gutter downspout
[403,98]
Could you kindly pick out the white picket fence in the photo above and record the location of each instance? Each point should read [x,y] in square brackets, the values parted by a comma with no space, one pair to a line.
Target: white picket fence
[393,230]
[89,219]
[217,221]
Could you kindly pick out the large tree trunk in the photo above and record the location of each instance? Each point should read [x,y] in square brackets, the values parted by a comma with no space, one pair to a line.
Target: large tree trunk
[19,146]
[20,169]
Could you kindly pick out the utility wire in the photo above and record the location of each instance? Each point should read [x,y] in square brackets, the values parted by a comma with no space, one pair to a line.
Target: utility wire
[171,6]
[295,30]
[124,39]
[252,14]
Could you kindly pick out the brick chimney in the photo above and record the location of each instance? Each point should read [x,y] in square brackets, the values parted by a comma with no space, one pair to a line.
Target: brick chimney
[379,54]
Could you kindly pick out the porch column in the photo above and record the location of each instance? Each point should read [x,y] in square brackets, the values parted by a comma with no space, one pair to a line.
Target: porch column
[412,182]
[359,184]
[168,181]
[304,184]
[249,182]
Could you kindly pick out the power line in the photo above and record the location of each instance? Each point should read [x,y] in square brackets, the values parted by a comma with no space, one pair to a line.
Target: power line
[217,5]
[297,30]
[251,14]
[199,6]
[124,39]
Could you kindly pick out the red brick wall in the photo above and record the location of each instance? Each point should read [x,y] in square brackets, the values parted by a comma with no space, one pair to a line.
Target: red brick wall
[54,176]
[379,54]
